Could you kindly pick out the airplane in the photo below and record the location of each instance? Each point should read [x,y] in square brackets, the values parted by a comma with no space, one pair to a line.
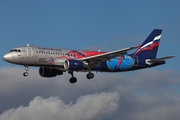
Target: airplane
[55,61]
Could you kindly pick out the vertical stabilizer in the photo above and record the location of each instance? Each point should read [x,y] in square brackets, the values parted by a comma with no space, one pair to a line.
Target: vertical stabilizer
[148,49]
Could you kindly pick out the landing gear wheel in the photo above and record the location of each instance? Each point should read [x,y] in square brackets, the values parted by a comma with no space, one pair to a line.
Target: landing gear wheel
[73,80]
[26,70]
[90,75]
[25,74]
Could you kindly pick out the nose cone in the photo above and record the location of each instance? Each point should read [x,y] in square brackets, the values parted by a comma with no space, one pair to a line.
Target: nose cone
[7,57]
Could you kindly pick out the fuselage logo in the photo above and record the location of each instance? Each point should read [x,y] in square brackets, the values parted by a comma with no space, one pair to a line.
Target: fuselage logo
[51,60]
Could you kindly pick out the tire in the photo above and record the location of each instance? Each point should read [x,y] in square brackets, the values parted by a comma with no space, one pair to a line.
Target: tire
[73,80]
[25,74]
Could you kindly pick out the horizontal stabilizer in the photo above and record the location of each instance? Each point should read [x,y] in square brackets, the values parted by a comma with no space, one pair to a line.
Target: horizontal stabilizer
[151,61]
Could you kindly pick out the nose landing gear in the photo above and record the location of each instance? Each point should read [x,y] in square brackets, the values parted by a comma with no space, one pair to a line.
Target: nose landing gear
[26,71]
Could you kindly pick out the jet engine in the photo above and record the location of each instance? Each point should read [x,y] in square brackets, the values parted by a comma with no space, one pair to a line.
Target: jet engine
[73,65]
[49,72]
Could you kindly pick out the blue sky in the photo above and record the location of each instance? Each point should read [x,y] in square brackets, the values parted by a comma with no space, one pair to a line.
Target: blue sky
[106,25]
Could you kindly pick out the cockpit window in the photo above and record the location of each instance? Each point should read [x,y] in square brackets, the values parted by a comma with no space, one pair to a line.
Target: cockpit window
[15,50]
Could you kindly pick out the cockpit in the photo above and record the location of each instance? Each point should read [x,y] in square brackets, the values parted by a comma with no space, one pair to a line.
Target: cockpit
[15,50]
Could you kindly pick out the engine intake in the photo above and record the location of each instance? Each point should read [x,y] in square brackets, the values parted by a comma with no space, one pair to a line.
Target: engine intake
[73,65]
[49,72]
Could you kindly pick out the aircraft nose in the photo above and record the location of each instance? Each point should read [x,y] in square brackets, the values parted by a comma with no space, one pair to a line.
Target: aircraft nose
[7,57]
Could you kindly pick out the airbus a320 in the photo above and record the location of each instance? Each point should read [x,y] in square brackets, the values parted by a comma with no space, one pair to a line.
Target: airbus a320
[56,61]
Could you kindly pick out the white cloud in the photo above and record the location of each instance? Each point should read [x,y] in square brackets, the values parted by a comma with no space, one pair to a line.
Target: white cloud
[153,93]
[88,107]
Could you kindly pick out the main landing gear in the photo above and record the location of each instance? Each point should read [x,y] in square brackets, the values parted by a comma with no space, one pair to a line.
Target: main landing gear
[74,79]
[26,71]
[90,75]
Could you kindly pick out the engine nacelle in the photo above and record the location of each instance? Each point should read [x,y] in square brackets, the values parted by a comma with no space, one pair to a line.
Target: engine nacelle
[59,61]
[73,65]
[49,72]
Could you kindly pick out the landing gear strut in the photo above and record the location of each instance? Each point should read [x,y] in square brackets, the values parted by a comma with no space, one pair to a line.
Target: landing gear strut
[72,79]
[26,71]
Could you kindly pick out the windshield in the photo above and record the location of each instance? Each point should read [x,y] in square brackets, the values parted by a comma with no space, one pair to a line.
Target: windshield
[15,50]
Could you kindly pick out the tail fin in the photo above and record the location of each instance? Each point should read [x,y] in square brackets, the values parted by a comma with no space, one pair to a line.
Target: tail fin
[148,49]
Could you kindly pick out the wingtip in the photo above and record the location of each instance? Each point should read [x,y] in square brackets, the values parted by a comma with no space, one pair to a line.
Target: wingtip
[172,56]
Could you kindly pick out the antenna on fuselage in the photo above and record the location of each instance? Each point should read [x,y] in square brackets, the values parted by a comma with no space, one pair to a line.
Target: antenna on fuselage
[27,44]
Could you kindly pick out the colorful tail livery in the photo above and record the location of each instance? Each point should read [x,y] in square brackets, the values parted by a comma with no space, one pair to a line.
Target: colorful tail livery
[55,61]
[150,46]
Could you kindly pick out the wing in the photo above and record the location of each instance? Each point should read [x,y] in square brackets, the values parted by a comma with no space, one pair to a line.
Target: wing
[97,59]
